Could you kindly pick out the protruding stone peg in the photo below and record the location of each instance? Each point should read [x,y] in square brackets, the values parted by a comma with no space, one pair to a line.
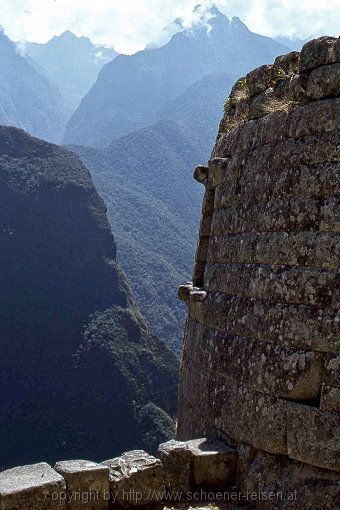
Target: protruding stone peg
[198,294]
[201,174]
[184,292]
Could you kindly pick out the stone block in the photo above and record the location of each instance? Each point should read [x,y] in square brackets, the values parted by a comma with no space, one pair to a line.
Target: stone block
[261,104]
[281,483]
[136,478]
[316,53]
[276,283]
[330,215]
[217,169]
[324,82]
[33,487]
[304,249]
[286,65]
[261,366]
[259,79]
[267,216]
[313,436]
[330,398]
[238,92]
[176,460]
[290,325]
[87,484]
[213,463]
[318,117]
[201,174]
[330,394]
[296,88]
[247,416]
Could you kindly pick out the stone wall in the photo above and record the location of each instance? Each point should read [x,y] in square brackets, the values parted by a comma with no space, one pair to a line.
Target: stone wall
[261,362]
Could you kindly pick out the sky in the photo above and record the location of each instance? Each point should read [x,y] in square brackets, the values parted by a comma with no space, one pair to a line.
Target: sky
[130,25]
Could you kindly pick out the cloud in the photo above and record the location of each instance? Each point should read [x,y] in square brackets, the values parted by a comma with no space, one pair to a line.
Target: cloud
[131,25]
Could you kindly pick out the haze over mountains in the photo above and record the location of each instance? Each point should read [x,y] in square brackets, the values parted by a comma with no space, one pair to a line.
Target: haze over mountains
[132,91]
[71,63]
[152,117]
[27,99]
[175,94]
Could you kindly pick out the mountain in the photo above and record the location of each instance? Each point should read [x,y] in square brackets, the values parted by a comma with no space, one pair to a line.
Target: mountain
[81,375]
[153,202]
[199,109]
[293,43]
[71,63]
[27,99]
[132,91]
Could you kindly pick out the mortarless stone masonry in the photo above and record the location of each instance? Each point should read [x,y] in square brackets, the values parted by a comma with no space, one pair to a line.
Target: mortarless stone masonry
[261,361]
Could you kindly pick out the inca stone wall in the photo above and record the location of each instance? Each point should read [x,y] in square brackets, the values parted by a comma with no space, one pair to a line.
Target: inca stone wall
[261,362]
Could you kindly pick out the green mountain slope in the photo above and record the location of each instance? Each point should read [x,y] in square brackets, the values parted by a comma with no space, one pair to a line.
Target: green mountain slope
[82,373]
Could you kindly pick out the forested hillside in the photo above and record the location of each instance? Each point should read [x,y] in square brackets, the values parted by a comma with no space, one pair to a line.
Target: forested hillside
[83,376]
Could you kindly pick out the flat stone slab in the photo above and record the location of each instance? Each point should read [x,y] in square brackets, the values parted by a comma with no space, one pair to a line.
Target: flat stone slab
[136,478]
[313,436]
[214,462]
[197,463]
[87,483]
[35,486]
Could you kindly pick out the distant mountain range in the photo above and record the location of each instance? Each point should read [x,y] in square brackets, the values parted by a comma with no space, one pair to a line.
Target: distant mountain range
[80,374]
[71,63]
[145,176]
[131,92]
[142,127]
[27,99]
[293,43]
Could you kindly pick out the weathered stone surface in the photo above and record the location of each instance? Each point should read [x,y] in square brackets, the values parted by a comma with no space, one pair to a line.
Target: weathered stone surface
[316,53]
[136,478]
[217,169]
[330,398]
[268,216]
[311,118]
[259,79]
[330,394]
[276,283]
[313,436]
[330,215]
[296,88]
[201,174]
[261,104]
[213,462]
[174,454]
[304,249]
[324,82]
[306,119]
[283,484]
[286,65]
[238,92]
[247,416]
[259,365]
[87,483]
[303,326]
[318,181]
[36,486]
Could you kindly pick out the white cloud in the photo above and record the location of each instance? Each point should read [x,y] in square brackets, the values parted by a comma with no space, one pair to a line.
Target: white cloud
[130,25]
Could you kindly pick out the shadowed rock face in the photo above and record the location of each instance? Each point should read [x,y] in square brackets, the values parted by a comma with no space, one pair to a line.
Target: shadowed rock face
[262,342]
[82,374]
